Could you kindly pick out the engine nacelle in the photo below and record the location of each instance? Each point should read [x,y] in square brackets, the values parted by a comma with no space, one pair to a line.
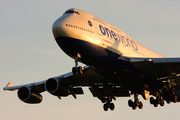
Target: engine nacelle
[28,95]
[56,87]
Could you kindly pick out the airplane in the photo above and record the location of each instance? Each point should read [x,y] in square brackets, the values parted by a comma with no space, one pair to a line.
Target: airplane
[117,66]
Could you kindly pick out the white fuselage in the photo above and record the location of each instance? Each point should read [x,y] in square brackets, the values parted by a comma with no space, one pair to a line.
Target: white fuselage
[86,27]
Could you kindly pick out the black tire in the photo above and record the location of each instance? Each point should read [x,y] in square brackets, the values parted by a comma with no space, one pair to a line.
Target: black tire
[130,103]
[111,106]
[172,91]
[162,102]
[158,99]
[74,70]
[155,104]
[136,102]
[175,99]
[134,107]
[103,99]
[152,100]
[168,101]
[140,105]
[106,106]
[114,97]
[80,70]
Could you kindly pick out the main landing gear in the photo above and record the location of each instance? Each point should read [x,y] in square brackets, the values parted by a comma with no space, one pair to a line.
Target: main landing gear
[158,100]
[168,96]
[107,100]
[77,70]
[136,103]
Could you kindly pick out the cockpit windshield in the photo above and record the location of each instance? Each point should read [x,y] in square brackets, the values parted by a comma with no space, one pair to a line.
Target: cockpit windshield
[72,11]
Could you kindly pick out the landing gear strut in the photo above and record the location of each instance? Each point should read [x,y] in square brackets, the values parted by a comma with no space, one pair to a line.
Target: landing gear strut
[77,70]
[136,103]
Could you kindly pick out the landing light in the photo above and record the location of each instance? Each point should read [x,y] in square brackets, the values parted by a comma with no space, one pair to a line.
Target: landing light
[95,41]
[150,60]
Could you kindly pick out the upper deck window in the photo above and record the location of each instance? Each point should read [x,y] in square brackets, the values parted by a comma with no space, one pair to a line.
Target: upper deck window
[72,11]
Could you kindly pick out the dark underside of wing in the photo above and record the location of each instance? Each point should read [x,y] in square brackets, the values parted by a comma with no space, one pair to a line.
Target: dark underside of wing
[157,67]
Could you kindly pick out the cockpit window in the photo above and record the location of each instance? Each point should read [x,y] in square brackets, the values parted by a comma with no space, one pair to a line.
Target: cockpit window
[72,11]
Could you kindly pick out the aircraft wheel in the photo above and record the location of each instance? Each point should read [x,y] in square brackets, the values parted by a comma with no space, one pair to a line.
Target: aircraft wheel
[152,100]
[172,91]
[140,105]
[168,101]
[175,99]
[103,99]
[74,70]
[111,106]
[114,97]
[155,104]
[106,106]
[136,102]
[130,103]
[158,99]
[134,107]
[80,70]
[162,102]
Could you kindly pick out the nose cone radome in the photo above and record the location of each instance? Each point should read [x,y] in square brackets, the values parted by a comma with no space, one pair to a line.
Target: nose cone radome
[58,27]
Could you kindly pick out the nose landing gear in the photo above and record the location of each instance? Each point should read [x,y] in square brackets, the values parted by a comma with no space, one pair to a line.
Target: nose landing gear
[77,70]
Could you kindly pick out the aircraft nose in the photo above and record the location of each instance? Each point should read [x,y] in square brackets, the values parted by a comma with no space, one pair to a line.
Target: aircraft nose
[58,27]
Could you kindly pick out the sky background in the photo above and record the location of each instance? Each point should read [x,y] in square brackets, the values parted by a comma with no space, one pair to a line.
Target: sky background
[29,53]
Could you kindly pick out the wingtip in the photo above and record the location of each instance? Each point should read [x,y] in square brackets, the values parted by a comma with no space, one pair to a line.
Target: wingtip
[10,84]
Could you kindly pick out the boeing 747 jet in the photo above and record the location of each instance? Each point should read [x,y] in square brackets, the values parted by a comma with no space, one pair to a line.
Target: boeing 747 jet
[117,66]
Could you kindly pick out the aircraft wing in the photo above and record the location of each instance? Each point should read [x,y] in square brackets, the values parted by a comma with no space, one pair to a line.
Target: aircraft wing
[86,79]
[68,84]
[161,68]
[40,84]
[157,66]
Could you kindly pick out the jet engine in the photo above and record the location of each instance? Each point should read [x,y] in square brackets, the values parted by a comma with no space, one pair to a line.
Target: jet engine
[56,87]
[28,95]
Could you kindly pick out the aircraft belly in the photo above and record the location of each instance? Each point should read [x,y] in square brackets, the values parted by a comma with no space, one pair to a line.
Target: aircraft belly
[91,54]
[96,56]
[72,45]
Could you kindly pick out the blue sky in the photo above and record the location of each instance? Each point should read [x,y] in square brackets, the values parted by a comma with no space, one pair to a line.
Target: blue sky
[29,53]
